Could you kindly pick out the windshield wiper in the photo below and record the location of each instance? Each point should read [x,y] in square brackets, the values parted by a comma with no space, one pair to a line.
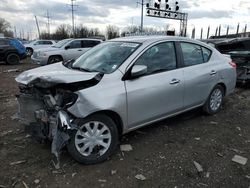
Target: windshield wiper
[81,69]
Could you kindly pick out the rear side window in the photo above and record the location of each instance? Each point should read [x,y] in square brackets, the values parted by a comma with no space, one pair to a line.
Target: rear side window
[206,54]
[89,43]
[194,54]
[47,42]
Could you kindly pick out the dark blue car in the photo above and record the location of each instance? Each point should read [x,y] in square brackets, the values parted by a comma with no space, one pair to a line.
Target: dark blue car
[11,51]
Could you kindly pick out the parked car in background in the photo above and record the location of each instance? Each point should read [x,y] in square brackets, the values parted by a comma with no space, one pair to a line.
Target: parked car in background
[119,86]
[37,44]
[239,51]
[64,50]
[11,51]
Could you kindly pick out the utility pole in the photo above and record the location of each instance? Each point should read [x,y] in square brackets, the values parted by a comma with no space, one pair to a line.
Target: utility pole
[38,29]
[72,5]
[142,7]
[48,21]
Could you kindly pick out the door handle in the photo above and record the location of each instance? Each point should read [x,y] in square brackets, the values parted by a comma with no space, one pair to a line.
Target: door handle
[213,72]
[175,81]
[79,50]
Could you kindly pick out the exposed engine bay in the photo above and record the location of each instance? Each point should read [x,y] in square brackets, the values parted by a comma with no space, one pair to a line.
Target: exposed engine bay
[43,109]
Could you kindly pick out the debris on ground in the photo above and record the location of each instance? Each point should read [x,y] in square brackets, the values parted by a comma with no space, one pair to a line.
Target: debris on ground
[162,157]
[25,185]
[2,186]
[12,70]
[73,174]
[103,181]
[198,167]
[14,117]
[197,138]
[126,147]
[220,154]
[238,128]
[113,172]
[140,177]
[203,184]
[207,174]
[4,133]
[60,171]
[239,159]
[236,150]
[213,122]
[37,181]
[247,176]
[18,162]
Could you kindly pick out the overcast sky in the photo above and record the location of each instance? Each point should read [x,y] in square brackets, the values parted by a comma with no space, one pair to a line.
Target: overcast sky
[122,13]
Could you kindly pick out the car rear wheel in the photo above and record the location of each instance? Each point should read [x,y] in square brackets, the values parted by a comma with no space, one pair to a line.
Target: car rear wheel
[54,59]
[214,101]
[12,59]
[29,51]
[94,141]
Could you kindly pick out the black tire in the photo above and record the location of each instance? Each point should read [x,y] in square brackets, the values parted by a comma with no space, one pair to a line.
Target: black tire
[29,52]
[12,59]
[94,158]
[54,59]
[207,106]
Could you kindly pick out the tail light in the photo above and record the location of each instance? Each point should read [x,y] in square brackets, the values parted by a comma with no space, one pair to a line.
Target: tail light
[233,64]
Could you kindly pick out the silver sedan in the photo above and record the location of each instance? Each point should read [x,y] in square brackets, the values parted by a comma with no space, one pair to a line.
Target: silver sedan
[121,85]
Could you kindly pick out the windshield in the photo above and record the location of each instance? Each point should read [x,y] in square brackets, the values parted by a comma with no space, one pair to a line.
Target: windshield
[105,57]
[61,43]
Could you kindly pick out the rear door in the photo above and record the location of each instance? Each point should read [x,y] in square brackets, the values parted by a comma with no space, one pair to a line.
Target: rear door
[74,51]
[159,92]
[200,73]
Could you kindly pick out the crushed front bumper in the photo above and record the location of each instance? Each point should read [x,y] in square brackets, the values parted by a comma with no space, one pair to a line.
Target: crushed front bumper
[43,125]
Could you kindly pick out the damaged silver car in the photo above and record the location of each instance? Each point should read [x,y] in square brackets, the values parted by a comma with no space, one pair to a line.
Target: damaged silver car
[118,86]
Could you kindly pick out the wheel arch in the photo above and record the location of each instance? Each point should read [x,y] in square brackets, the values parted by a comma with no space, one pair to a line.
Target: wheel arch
[56,55]
[115,117]
[224,87]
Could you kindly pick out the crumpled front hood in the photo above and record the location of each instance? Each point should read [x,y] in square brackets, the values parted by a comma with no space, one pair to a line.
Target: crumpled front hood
[56,73]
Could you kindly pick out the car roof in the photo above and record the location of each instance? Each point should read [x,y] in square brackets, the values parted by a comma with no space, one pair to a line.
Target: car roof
[87,39]
[152,39]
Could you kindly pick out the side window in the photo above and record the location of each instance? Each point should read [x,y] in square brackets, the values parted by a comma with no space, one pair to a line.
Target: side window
[38,43]
[192,54]
[89,43]
[158,58]
[206,54]
[47,42]
[75,44]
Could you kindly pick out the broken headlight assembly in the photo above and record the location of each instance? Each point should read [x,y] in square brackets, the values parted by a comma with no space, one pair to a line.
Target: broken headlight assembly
[69,99]
[62,100]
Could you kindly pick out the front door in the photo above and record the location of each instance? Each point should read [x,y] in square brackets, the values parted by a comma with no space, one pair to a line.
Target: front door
[159,92]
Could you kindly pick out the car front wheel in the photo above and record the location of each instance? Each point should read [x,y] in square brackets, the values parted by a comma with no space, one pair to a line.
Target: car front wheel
[94,141]
[214,101]
[54,59]
[29,52]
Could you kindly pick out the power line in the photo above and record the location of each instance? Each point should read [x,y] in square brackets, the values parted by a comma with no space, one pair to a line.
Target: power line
[72,5]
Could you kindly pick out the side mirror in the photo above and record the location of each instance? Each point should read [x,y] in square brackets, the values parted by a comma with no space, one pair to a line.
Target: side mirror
[67,47]
[138,70]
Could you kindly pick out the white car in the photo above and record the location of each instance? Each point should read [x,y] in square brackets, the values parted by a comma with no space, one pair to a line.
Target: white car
[64,50]
[37,44]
